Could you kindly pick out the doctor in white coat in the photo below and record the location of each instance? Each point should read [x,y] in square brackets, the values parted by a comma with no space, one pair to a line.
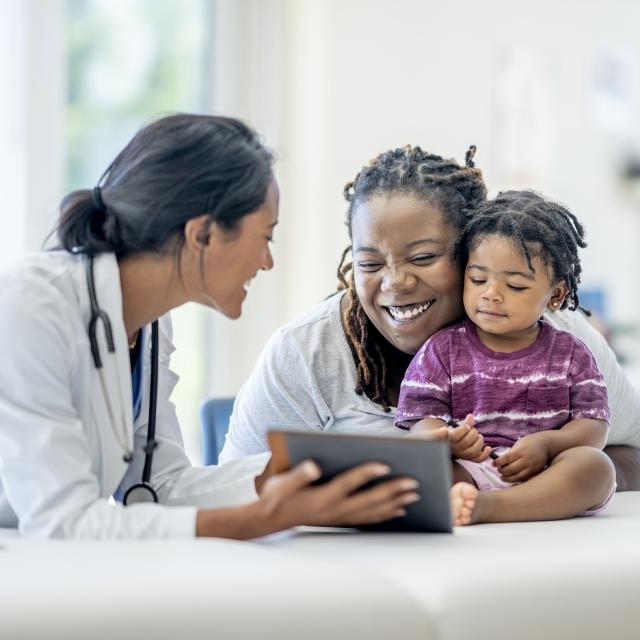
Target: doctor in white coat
[184,213]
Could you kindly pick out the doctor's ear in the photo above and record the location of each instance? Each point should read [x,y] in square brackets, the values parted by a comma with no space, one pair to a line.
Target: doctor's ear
[197,232]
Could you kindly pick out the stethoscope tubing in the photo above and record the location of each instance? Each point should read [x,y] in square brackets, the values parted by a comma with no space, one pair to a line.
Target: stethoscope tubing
[100,316]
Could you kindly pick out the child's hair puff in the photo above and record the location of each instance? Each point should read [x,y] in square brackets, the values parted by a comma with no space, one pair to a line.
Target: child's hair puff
[533,223]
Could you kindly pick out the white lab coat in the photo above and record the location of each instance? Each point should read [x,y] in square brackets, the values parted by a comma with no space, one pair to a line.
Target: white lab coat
[60,459]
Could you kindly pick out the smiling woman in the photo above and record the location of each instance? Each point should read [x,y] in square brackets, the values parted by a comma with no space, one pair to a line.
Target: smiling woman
[339,367]
[407,289]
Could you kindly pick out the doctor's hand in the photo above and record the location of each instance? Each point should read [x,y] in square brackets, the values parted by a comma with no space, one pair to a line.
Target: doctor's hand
[288,499]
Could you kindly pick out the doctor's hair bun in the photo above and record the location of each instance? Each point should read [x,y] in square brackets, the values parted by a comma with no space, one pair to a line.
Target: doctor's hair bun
[176,168]
[87,228]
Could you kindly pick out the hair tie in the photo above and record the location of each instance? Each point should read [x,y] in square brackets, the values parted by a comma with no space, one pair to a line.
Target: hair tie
[98,202]
[468,157]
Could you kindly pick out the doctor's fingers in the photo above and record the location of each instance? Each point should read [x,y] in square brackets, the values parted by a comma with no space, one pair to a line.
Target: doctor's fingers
[348,482]
[382,502]
[290,482]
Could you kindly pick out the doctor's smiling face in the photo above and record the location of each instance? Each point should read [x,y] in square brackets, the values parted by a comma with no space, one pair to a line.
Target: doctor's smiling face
[229,259]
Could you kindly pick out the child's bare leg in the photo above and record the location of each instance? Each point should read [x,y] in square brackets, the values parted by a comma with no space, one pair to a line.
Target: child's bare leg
[576,480]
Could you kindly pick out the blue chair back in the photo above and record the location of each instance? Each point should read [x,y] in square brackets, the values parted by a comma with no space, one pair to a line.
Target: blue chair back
[214,424]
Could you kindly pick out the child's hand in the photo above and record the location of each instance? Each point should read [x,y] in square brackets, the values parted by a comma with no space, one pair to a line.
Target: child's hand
[467,443]
[528,457]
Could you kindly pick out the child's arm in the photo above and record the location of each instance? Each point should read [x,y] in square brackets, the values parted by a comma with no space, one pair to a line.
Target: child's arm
[587,397]
[464,439]
[577,433]
[532,453]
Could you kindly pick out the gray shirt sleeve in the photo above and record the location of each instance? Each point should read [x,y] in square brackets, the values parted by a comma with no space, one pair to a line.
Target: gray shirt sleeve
[303,381]
[280,394]
[624,399]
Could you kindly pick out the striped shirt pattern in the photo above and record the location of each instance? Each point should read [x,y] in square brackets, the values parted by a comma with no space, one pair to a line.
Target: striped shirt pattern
[541,387]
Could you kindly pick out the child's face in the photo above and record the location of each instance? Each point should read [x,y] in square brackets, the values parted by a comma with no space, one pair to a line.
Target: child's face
[502,296]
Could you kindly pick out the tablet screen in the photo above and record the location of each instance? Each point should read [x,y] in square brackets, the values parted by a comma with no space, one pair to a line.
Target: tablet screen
[428,461]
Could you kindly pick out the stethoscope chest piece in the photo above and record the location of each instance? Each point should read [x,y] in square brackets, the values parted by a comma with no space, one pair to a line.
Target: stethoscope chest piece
[139,493]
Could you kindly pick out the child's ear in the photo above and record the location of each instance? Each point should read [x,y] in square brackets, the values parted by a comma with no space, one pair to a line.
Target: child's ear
[558,294]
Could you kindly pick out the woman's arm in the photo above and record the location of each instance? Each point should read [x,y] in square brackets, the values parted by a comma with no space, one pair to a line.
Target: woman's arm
[624,398]
[282,392]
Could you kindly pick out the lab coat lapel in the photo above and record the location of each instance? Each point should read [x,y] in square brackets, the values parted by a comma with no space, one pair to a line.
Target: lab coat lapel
[117,374]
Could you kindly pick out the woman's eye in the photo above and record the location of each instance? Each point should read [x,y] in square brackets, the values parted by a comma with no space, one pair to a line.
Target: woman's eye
[477,281]
[424,257]
[369,266]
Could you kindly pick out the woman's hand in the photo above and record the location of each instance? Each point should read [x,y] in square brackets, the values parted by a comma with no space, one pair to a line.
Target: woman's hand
[528,457]
[287,500]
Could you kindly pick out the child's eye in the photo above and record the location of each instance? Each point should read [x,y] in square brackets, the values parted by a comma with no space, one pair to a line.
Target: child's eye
[514,287]
[477,281]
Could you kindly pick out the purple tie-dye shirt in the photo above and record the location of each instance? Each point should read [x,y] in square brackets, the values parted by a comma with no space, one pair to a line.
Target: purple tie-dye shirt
[541,387]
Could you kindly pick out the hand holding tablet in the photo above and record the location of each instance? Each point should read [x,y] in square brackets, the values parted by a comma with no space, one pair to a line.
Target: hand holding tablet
[427,461]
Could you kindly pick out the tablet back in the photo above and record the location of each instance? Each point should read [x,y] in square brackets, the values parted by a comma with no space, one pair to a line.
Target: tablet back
[428,461]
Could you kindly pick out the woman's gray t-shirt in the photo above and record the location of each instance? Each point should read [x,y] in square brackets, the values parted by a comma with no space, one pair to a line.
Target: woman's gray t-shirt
[305,377]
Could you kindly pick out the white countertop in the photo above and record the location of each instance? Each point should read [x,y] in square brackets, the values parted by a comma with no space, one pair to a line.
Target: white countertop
[578,578]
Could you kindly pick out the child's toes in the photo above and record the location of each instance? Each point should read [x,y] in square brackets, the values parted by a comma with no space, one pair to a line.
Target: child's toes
[463,497]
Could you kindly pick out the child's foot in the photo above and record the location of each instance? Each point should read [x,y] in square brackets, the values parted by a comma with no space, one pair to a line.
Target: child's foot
[463,497]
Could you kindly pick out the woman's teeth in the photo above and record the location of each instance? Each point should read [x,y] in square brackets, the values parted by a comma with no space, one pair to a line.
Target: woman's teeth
[409,312]
[245,286]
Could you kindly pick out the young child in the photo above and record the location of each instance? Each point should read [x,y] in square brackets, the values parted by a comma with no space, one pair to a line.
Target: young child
[526,403]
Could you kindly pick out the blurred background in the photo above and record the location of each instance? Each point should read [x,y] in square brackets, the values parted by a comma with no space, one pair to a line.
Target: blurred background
[550,95]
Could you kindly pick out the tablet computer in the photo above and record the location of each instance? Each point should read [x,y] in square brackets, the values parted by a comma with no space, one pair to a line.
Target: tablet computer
[428,461]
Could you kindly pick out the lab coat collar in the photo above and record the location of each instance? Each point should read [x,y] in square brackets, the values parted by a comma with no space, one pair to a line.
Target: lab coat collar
[109,296]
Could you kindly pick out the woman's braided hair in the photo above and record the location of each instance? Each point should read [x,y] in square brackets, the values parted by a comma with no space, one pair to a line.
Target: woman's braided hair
[526,217]
[454,189]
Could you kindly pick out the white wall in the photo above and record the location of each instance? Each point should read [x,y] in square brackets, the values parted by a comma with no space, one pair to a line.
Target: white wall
[31,122]
[337,81]
[330,83]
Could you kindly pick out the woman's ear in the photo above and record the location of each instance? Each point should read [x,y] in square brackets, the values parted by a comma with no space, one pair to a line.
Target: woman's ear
[558,294]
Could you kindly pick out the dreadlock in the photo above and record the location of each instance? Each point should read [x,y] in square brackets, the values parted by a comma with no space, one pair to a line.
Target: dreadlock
[455,190]
[527,217]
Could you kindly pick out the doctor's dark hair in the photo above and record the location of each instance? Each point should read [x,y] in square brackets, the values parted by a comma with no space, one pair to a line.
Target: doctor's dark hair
[538,227]
[174,169]
[453,189]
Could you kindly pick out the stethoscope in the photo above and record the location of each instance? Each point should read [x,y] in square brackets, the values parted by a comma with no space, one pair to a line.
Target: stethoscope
[142,491]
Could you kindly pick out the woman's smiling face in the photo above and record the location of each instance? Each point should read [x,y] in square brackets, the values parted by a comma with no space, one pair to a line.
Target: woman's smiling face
[405,277]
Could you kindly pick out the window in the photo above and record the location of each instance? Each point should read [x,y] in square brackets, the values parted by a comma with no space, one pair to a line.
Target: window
[127,63]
